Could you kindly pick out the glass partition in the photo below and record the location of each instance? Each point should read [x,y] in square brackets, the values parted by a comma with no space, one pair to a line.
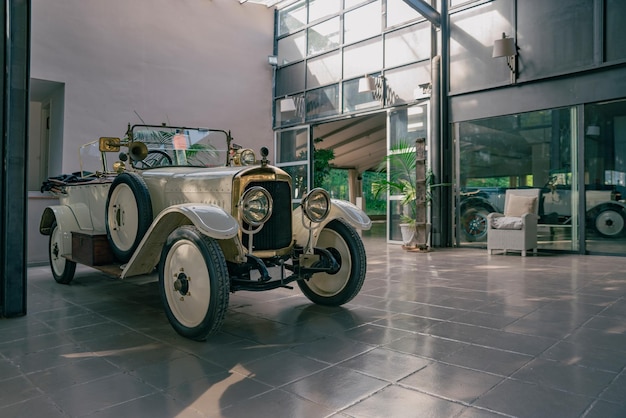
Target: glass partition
[528,150]
[605,177]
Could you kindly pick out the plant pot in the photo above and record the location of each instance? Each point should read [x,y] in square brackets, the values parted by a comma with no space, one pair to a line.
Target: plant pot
[415,236]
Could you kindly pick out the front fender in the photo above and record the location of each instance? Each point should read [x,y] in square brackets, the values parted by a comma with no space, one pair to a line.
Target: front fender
[338,209]
[212,221]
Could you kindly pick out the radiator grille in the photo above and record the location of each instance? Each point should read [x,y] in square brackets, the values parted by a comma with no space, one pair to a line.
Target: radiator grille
[276,232]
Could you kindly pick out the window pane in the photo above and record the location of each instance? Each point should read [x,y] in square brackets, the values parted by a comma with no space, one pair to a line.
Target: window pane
[291,48]
[362,23]
[353,100]
[363,58]
[292,18]
[407,45]
[322,8]
[403,84]
[349,3]
[324,36]
[292,146]
[399,12]
[615,36]
[323,70]
[290,79]
[322,102]
[286,115]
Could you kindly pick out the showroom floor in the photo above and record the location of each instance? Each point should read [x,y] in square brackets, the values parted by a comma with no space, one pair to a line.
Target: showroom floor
[450,333]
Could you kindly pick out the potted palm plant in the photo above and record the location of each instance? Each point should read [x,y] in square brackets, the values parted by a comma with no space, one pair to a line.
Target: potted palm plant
[408,177]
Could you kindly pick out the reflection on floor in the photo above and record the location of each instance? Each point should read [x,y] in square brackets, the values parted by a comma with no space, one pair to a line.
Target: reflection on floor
[450,333]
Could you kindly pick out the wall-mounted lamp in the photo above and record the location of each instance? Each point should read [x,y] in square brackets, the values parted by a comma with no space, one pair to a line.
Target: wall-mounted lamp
[287,104]
[505,47]
[272,60]
[593,130]
[367,84]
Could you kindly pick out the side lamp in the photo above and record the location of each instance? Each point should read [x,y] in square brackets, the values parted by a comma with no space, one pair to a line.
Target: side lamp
[505,47]
[287,104]
[367,84]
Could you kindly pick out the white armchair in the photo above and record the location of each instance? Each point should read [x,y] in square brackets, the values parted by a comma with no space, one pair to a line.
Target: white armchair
[516,228]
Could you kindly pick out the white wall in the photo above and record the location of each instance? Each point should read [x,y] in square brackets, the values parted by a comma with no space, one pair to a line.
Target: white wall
[184,62]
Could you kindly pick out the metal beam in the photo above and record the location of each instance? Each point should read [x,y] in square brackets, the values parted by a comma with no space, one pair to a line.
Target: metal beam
[426,10]
[15,26]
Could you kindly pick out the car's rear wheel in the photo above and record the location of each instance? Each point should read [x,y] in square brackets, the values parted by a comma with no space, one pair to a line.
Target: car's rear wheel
[62,269]
[128,214]
[609,223]
[194,283]
[338,288]
[474,224]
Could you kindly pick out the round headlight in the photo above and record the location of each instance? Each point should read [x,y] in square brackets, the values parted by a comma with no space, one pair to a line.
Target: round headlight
[245,157]
[255,206]
[316,205]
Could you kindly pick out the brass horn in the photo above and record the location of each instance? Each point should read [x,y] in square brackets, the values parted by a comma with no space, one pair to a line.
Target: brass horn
[137,151]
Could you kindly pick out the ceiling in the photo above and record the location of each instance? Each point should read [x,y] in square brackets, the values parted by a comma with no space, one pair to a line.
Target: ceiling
[359,142]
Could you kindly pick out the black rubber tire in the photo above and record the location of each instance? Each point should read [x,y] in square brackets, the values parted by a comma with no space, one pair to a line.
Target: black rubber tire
[62,269]
[474,224]
[339,288]
[194,283]
[128,214]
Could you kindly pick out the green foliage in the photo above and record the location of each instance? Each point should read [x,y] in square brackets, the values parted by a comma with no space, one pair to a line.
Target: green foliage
[321,165]
[401,178]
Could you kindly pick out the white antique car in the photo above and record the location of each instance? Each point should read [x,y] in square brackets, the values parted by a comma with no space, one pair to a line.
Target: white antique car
[209,216]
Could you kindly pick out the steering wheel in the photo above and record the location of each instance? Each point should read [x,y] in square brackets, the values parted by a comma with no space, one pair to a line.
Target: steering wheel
[158,159]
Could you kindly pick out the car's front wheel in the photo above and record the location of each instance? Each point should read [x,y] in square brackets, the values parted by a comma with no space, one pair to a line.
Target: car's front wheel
[62,269]
[194,283]
[336,289]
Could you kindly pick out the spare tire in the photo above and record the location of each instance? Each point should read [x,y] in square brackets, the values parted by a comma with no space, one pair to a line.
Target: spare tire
[128,214]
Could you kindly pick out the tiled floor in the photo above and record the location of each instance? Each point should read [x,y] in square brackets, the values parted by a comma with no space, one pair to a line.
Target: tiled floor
[450,333]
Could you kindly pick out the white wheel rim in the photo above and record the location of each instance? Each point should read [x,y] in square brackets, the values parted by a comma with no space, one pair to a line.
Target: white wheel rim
[328,285]
[189,309]
[57,261]
[123,217]
[610,223]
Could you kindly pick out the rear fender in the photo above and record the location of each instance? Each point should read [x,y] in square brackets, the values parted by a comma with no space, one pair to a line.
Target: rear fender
[66,222]
[612,205]
[212,221]
[339,209]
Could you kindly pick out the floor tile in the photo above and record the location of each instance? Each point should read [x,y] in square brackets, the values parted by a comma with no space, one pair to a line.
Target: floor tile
[397,401]
[336,387]
[451,382]
[521,399]
[385,364]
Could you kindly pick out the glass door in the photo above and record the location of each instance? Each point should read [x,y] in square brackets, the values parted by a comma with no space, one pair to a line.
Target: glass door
[292,150]
[404,126]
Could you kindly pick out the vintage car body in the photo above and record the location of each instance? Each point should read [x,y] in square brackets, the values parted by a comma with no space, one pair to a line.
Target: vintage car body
[605,212]
[210,225]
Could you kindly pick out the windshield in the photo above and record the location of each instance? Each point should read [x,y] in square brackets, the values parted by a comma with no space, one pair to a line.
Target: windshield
[171,146]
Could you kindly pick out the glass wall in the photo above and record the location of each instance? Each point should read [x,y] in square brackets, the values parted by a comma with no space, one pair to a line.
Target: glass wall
[325,46]
[605,177]
[529,150]
[540,149]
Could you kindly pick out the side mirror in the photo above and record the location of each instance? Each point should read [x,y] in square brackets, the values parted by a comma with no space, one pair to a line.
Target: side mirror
[108,144]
